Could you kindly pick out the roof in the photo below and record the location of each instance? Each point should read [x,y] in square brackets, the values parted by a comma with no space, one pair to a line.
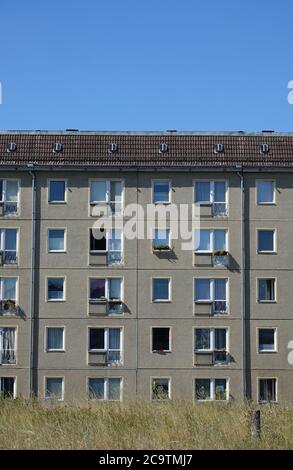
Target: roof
[141,149]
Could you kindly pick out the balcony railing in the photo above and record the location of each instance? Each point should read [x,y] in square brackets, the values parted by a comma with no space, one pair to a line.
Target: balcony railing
[220,306]
[9,307]
[210,358]
[8,257]
[8,208]
[7,356]
[105,358]
[219,208]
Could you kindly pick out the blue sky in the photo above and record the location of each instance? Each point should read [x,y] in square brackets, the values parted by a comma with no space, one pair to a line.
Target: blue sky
[146,64]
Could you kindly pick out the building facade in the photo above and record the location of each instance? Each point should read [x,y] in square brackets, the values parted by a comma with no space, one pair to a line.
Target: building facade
[93,313]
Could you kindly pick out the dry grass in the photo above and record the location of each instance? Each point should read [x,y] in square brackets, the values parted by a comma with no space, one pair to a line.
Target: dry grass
[141,425]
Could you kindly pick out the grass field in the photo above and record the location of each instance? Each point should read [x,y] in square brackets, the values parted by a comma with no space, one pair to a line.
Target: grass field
[141,425]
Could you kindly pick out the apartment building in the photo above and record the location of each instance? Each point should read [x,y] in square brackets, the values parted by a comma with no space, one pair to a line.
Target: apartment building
[90,313]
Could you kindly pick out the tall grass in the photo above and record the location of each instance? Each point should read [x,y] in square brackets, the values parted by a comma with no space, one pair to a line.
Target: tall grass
[141,425]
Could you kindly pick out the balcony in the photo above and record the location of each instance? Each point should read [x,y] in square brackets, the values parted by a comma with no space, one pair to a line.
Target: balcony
[9,307]
[8,258]
[104,358]
[210,307]
[104,307]
[105,258]
[219,258]
[8,208]
[8,357]
[213,209]
[210,358]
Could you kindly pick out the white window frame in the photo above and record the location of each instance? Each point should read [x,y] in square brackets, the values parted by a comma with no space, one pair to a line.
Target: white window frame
[212,192]
[274,250]
[170,338]
[168,232]
[161,181]
[107,287]
[106,339]
[4,191]
[49,190]
[16,288]
[169,290]
[106,388]
[65,240]
[273,202]
[47,328]
[14,383]
[212,290]
[46,388]
[267,351]
[2,242]
[108,193]
[212,331]
[258,389]
[169,387]
[15,328]
[213,389]
[212,239]
[47,289]
[108,238]
[258,290]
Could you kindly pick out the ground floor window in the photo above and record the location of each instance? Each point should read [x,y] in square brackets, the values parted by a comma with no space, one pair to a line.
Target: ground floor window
[7,387]
[211,389]
[160,388]
[100,388]
[267,390]
[54,388]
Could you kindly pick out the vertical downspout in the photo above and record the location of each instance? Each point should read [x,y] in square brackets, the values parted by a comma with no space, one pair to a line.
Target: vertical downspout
[243,280]
[32,287]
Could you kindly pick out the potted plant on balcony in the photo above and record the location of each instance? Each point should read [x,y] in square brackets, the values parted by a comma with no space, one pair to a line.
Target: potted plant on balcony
[161,247]
[220,257]
[9,306]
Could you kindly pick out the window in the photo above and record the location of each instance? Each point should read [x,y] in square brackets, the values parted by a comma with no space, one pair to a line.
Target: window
[161,192]
[266,290]
[267,340]
[7,345]
[104,388]
[267,390]
[266,241]
[161,339]
[109,242]
[57,191]
[214,193]
[55,339]
[54,388]
[8,245]
[160,389]
[211,389]
[161,290]
[107,192]
[212,291]
[56,240]
[161,239]
[107,340]
[265,192]
[56,291]
[8,292]
[9,195]
[213,340]
[207,240]
[7,387]
[110,290]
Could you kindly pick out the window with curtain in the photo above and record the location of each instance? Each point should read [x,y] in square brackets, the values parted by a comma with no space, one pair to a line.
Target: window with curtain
[55,288]
[211,389]
[9,190]
[203,191]
[267,390]
[266,290]
[208,240]
[160,388]
[97,289]
[106,339]
[267,340]
[107,192]
[161,239]
[8,245]
[7,387]
[55,339]
[115,246]
[54,388]
[265,191]
[161,192]
[104,388]
[202,389]
[57,189]
[7,345]
[202,289]
[213,192]
[56,240]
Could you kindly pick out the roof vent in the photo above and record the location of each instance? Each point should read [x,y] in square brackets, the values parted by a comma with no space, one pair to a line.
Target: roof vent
[57,147]
[218,148]
[11,147]
[112,148]
[163,148]
[264,148]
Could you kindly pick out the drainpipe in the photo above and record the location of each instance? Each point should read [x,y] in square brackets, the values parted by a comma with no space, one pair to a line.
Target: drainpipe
[32,286]
[243,291]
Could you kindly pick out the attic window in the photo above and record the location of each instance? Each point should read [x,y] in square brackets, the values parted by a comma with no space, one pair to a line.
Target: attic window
[11,147]
[57,147]
[112,148]
[163,148]
[218,148]
[264,148]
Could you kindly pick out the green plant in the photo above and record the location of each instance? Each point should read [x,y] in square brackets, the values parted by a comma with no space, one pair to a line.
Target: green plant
[220,252]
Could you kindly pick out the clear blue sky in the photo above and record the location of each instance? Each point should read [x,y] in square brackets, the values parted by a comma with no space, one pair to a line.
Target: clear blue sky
[146,64]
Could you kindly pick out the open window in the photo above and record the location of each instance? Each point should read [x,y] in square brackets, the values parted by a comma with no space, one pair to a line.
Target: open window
[161,339]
